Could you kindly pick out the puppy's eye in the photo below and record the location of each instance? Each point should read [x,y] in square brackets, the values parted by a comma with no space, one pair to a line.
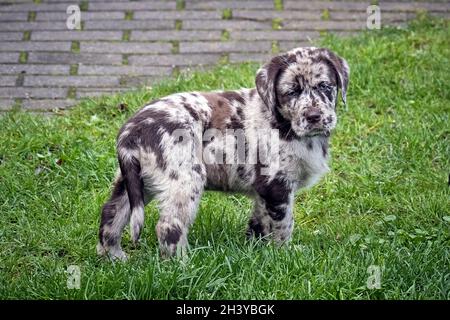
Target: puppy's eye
[296,91]
[323,86]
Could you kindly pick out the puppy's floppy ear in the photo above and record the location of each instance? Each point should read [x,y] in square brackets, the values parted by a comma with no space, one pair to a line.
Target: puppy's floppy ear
[342,73]
[266,78]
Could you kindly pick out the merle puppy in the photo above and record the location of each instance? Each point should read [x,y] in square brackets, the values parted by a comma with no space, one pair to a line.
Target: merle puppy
[163,150]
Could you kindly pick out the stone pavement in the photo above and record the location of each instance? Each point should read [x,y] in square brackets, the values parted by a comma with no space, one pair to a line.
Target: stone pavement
[123,43]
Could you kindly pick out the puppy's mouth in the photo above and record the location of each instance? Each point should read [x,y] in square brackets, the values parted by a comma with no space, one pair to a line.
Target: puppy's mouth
[312,130]
[317,131]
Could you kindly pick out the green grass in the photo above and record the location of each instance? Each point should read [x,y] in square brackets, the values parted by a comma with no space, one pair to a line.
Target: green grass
[385,202]
[23,57]
[325,15]
[277,24]
[227,14]
[278,4]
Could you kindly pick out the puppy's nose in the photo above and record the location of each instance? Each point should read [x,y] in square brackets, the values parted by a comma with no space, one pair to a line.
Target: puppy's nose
[313,115]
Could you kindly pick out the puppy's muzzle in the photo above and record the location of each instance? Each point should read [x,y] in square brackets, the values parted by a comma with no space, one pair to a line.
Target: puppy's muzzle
[315,122]
[313,115]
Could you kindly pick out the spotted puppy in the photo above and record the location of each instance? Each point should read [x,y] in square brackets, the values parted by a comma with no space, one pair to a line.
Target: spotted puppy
[165,150]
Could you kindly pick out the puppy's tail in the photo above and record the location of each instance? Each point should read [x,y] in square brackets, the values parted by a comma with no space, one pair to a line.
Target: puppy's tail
[131,171]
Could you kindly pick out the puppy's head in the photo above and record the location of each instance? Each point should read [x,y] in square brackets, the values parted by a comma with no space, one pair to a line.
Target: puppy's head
[301,86]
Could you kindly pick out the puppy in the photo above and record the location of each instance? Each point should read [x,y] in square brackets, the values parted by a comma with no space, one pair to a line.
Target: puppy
[176,147]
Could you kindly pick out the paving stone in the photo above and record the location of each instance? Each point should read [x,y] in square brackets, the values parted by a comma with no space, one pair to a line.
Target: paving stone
[42,25]
[129,25]
[149,49]
[124,70]
[342,33]
[324,25]
[73,35]
[14,16]
[225,24]
[445,15]
[11,36]
[140,81]
[413,6]
[104,0]
[299,15]
[22,92]
[141,5]
[85,15]
[34,69]
[362,5]
[9,57]
[71,58]
[76,81]
[362,16]
[196,68]
[249,57]
[272,14]
[97,92]
[6,104]
[17,1]
[273,35]
[35,46]
[174,59]
[99,0]
[229,46]
[289,45]
[330,5]
[47,104]
[7,81]
[37,7]
[262,4]
[175,35]
[178,15]
[125,47]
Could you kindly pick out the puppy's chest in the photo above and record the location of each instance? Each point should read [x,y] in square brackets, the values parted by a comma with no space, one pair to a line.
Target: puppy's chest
[304,162]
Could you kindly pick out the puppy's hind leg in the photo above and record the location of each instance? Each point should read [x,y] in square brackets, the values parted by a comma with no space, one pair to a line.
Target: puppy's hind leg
[178,207]
[114,218]
[131,170]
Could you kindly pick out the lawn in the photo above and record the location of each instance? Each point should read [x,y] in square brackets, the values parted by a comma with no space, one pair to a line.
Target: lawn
[384,206]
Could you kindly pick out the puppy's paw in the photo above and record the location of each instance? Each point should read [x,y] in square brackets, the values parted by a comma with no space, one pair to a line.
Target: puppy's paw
[101,251]
[115,254]
[118,256]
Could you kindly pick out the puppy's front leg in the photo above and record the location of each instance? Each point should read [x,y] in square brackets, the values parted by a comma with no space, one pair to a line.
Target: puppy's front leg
[273,215]
[282,229]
